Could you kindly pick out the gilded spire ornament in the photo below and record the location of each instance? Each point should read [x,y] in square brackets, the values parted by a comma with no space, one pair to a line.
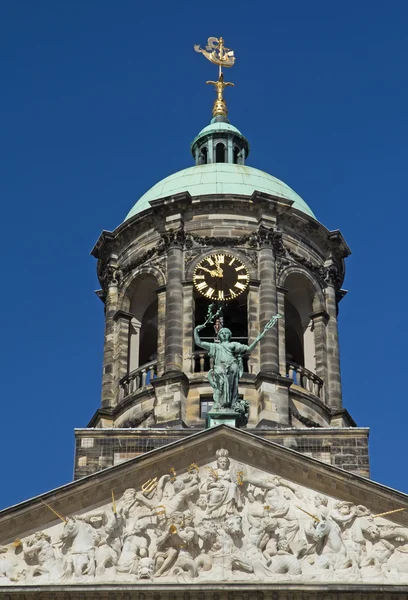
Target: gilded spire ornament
[218,54]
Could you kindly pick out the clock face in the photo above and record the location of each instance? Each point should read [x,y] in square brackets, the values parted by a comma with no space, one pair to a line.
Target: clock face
[221,277]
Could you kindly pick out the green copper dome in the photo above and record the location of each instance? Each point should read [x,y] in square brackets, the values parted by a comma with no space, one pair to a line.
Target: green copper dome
[219,178]
[219,127]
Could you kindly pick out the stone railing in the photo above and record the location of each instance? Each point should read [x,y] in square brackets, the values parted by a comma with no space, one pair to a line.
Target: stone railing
[202,363]
[305,378]
[137,379]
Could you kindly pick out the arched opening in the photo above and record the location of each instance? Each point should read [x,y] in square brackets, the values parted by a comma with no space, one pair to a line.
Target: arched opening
[299,334]
[236,155]
[144,324]
[203,156]
[234,316]
[220,153]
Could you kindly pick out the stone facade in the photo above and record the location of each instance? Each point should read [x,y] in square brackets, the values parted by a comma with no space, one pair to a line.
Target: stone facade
[291,259]
[221,508]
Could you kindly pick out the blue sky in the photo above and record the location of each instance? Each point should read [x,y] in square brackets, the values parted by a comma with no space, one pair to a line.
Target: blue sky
[101,99]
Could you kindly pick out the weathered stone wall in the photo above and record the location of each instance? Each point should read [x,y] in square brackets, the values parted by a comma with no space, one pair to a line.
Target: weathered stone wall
[97,449]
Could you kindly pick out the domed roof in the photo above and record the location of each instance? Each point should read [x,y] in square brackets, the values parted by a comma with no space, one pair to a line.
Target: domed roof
[217,127]
[219,178]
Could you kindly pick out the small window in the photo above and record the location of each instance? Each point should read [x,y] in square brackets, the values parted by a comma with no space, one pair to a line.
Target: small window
[220,153]
[206,405]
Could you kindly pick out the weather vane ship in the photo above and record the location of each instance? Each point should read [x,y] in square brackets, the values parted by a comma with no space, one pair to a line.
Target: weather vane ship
[218,54]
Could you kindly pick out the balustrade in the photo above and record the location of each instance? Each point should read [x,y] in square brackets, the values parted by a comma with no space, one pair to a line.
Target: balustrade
[137,379]
[202,363]
[305,378]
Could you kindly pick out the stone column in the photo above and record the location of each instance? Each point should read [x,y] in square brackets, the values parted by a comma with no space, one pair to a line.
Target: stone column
[123,322]
[174,308]
[188,325]
[210,155]
[281,292]
[268,307]
[320,319]
[161,329]
[230,151]
[109,391]
[333,389]
[253,327]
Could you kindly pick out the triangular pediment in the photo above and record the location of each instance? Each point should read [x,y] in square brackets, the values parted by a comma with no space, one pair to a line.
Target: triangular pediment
[220,506]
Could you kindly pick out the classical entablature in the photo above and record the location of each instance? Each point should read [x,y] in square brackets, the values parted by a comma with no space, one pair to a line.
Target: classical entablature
[219,509]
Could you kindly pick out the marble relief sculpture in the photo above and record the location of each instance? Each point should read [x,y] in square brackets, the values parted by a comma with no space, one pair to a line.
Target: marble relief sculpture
[220,521]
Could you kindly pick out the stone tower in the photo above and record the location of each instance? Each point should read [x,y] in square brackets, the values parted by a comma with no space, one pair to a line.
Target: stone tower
[204,512]
[155,387]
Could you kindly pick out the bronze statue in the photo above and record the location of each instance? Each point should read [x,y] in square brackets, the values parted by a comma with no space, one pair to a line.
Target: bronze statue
[228,364]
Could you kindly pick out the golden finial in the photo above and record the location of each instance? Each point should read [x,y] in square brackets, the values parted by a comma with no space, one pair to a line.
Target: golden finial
[218,54]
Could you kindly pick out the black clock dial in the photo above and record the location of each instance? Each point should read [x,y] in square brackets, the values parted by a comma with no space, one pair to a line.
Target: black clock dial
[221,277]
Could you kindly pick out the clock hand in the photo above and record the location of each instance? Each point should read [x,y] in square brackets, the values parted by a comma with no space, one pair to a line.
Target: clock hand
[212,273]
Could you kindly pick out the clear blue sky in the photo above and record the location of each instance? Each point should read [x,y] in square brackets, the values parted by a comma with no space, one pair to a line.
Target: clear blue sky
[101,99]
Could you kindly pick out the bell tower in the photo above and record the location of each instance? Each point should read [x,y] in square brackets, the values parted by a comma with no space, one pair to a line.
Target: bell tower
[227,234]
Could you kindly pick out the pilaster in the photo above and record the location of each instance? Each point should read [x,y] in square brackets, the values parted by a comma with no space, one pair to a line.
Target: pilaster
[171,392]
[268,307]
[273,403]
[333,389]
[111,279]
[320,320]
[281,292]
[174,302]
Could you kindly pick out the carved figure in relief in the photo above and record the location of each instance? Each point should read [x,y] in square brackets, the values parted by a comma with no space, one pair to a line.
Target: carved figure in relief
[79,539]
[135,547]
[38,549]
[175,536]
[105,556]
[320,506]
[214,523]
[278,496]
[11,566]
[223,495]
[145,568]
[182,490]
[330,549]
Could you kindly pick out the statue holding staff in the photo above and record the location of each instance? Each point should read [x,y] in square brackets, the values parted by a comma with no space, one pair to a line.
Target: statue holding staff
[228,364]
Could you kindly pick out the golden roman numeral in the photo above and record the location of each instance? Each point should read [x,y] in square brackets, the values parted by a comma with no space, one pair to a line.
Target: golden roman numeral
[209,292]
[239,285]
[243,276]
[232,261]
[198,277]
[202,286]
[233,294]
[220,295]
[239,268]
[210,261]
[220,258]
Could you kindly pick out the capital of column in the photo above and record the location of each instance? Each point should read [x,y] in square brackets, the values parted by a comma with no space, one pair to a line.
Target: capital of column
[320,315]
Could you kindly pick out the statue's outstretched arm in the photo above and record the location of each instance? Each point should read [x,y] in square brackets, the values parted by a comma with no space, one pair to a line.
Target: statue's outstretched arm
[268,326]
[198,340]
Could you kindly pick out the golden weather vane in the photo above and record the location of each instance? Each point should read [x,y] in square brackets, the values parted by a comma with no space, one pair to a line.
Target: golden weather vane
[218,54]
